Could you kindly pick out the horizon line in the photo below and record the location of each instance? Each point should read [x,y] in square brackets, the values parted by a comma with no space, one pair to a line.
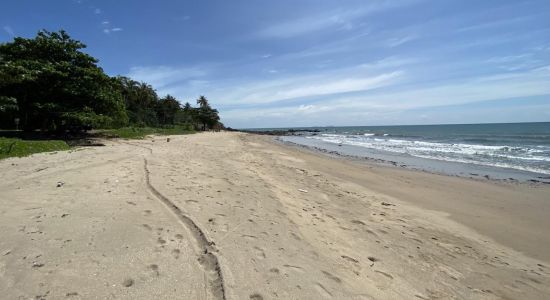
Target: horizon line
[441,124]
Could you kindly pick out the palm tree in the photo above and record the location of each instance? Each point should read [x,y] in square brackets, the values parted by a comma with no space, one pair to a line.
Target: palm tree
[202,101]
[187,107]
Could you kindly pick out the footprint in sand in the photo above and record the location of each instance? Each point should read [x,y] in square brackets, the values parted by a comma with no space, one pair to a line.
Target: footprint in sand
[384,273]
[128,282]
[250,237]
[350,259]
[332,277]
[358,222]
[259,252]
[371,232]
[154,268]
[322,290]
[295,268]
[295,236]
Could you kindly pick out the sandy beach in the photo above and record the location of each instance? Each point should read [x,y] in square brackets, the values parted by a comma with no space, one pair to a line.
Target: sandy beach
[240,216]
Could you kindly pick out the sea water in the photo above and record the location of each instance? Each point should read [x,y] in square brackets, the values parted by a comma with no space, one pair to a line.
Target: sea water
[517,146]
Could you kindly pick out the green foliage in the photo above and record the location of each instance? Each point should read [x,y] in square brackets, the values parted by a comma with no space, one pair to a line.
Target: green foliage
[141,132]
[205,114]
[167,108]
[48,83]
[51,77]
[10,147]
[84,120]
[140,100]
[7,103]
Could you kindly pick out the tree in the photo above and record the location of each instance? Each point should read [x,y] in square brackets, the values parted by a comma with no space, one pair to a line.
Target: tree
[52,79]
[7,103]
[206,115]
[186,116]
[140,100]
[48,82]
[167,108]
[187,107]
[202,101]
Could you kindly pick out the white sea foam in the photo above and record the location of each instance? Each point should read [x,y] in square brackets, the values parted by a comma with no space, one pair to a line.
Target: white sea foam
[534,159]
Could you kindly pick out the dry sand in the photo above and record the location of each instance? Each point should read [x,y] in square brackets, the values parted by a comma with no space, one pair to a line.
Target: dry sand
[236,216]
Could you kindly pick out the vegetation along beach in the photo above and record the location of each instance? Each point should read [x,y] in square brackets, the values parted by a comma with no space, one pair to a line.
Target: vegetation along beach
[276,150]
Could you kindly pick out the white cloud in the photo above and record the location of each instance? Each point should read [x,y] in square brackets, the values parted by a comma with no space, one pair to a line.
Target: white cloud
[363,77]
[305,107]
[394,42]
[508,85]
[107,28]
[97,11]
[273,86]
[344,85]
[163,76]
[387,106]
[301,26]
[312,109]
[508,59]
[9,30]
[324,98]
[290,88]
[494,24]
[338,20]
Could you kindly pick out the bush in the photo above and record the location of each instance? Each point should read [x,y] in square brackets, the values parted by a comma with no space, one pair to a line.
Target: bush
[141,132]
[84,120]
[16,148]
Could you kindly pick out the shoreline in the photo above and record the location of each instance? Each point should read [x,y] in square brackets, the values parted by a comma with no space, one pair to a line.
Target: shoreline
[464,215]
[429,165]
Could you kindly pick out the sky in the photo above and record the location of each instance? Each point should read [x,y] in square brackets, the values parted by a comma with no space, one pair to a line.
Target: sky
[290,63]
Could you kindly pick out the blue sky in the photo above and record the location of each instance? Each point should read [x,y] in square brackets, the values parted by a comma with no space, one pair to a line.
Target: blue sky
[312,63]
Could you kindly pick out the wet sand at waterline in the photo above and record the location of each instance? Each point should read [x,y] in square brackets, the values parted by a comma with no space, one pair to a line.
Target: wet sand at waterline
[238,216]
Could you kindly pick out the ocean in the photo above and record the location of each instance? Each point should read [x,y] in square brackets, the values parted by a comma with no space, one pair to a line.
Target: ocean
[523,147]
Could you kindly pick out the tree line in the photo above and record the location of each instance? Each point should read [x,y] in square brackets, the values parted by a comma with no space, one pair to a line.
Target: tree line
[49,83]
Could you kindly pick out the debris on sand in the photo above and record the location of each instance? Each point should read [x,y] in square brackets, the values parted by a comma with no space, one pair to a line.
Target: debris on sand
[128,282]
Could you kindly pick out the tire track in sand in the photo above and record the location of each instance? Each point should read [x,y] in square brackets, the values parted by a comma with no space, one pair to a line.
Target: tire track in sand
[207,259]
